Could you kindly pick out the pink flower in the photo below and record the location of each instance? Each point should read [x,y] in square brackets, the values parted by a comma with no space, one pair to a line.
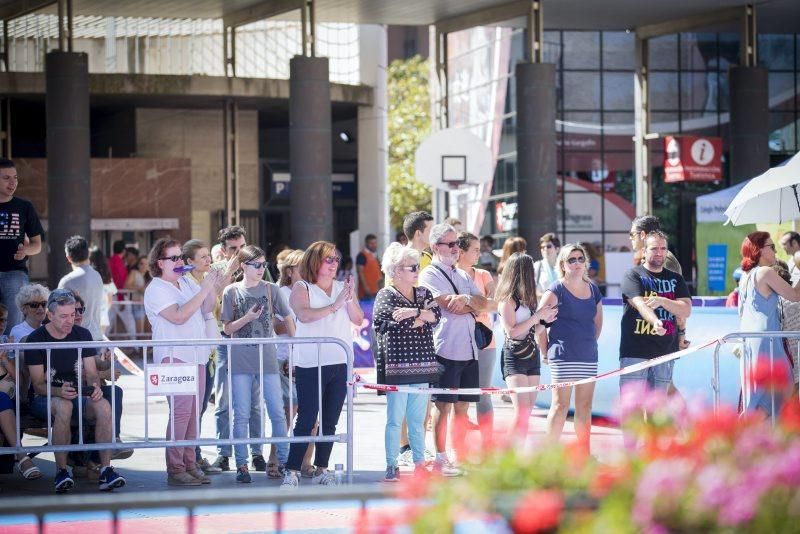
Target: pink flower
[714,487]
[660,488]
[630,400]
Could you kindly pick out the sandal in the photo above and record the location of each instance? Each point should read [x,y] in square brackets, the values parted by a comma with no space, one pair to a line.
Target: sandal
[307,471]
[28,469]
[274,470]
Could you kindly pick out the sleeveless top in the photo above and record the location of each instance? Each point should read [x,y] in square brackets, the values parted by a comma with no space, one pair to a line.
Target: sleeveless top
[572,336]
[758,313]
[333,325]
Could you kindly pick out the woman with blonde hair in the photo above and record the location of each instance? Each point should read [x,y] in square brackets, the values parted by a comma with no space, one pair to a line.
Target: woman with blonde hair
[572,345]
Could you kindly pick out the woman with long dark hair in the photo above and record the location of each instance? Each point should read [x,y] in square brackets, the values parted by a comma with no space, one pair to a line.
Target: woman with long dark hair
[759,289]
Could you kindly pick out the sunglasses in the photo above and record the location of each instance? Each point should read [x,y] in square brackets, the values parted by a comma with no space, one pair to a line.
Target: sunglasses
[573,261]
[35,305]
[410,268]
[771,245]
[79,311]
[330,260]
[174,259]
[449,244]
[256,264]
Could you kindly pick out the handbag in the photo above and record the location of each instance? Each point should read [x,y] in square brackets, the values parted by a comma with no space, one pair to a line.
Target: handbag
[483,334]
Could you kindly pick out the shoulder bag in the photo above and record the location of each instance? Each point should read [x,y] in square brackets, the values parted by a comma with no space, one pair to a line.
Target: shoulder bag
[483,334]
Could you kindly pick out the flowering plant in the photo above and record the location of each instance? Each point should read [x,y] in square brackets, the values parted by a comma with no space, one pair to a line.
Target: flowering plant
[686,468]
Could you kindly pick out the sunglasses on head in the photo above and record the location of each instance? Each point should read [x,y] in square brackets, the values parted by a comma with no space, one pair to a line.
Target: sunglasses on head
[449,244]
[256,264]
[410,268]
[175,258]
[573,261]
[330,260]
[35,305]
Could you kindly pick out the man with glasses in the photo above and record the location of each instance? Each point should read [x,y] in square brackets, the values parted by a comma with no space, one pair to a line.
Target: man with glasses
[454,337]
[66,386]
[20,237]
[232,239]
[790,243]
[545,269]
[86,282]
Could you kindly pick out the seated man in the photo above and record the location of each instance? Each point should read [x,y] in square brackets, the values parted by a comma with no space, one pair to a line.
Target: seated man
[65,387]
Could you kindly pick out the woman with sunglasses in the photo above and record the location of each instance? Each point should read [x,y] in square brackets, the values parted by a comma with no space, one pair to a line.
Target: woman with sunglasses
[572,344]
[517,301]
[759,288]
[325,307]
[175,306]
[249,309]
[32,303]
[404,317]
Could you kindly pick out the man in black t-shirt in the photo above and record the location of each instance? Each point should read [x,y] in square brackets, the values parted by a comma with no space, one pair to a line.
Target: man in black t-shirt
[66,386]
[20,237]
[653,299]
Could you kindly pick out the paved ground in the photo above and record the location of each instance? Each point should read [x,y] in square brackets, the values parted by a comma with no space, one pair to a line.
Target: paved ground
[144,471]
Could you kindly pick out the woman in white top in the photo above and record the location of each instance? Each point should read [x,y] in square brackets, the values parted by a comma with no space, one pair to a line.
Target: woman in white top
[325,307]
[175,305]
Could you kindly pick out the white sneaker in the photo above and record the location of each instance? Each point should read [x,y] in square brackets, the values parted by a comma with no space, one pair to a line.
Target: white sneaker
[323,479]
[290,481]
[446,469]
[405,459]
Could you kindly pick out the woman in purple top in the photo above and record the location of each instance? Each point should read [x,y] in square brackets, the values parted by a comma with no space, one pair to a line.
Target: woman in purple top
[572,341]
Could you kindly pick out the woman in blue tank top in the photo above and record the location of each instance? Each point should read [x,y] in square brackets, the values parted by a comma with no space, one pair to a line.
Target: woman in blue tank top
[572,341]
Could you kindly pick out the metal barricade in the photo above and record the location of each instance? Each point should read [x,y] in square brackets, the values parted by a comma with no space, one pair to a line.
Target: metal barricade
[148,442]
[748,361]
[124,312]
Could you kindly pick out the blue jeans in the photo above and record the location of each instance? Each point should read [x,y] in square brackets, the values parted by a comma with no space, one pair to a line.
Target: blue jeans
[10,284]
[413,408]
[242,388]
[656,377]
[221,415]
[334,392]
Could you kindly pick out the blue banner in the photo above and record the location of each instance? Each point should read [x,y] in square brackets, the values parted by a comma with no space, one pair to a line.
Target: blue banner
[717,266]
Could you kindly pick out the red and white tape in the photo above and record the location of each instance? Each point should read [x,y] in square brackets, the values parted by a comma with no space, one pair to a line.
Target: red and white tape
[358,381]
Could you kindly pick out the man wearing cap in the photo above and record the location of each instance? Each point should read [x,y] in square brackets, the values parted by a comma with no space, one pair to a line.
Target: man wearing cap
[66,388]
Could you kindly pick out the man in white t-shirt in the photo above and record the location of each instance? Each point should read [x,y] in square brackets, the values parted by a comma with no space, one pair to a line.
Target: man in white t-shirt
[86,282]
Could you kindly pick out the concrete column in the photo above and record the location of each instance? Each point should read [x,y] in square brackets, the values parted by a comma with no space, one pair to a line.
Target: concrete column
[311,194]
[749,130]
[536,150]
[69,209]
[373,159]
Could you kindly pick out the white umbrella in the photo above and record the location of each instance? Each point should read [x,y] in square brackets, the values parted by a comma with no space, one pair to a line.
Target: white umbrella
[773,197]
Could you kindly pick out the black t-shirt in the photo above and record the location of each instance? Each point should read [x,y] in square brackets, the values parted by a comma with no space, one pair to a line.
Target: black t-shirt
[64,362]
[18,218]
[637,336]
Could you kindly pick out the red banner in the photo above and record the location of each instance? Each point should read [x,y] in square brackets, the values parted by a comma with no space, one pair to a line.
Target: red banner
[692,159]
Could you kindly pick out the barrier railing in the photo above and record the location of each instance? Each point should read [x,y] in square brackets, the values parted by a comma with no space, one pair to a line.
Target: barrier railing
[122,312]
[149,442]
[747,362]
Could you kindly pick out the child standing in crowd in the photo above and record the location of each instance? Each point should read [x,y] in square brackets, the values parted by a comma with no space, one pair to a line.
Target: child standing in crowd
[249,309]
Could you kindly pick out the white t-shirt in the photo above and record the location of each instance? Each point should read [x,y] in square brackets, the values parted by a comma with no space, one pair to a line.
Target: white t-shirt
[88,283]
[283,350]
[334,325]
[21,330]
[160,295]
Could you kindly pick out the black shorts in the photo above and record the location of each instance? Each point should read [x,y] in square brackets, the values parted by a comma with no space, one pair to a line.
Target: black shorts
[457,374]
[511,365]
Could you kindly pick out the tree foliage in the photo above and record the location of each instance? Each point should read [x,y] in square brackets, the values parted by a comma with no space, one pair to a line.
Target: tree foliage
[409,123]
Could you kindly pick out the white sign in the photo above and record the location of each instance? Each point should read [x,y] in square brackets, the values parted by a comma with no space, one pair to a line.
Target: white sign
[171,379]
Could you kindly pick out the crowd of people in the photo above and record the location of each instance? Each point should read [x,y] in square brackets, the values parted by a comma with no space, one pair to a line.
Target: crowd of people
[436,290]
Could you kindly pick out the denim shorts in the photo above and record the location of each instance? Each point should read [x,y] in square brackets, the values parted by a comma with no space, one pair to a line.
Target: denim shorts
[39,408]
[656,377]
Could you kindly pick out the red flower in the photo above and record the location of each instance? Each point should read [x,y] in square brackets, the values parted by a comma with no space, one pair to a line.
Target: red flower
[768,375]
[606,477]
[790,416]
[538,511]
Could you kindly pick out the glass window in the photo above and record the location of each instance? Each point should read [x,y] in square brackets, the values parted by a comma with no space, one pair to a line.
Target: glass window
[583,212]
[664,122]
[782,132]
[663,90]
[618,91]
[699,90]
[698,51]
[728,50]
[781,90]
[664,52]
[700,123]
[552,48]
[581,50]
[582,131]
[723,90]
[625,185]
[581,90]
[619,50]
[776,52]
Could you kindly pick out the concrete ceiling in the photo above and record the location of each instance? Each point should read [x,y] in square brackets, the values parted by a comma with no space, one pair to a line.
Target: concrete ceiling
[774,16]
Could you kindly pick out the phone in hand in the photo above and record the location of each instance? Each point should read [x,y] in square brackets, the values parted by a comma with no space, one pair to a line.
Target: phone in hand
[87,390]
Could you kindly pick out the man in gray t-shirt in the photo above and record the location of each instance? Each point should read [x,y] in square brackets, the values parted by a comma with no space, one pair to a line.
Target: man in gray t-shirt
[86,282]
[237,301]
